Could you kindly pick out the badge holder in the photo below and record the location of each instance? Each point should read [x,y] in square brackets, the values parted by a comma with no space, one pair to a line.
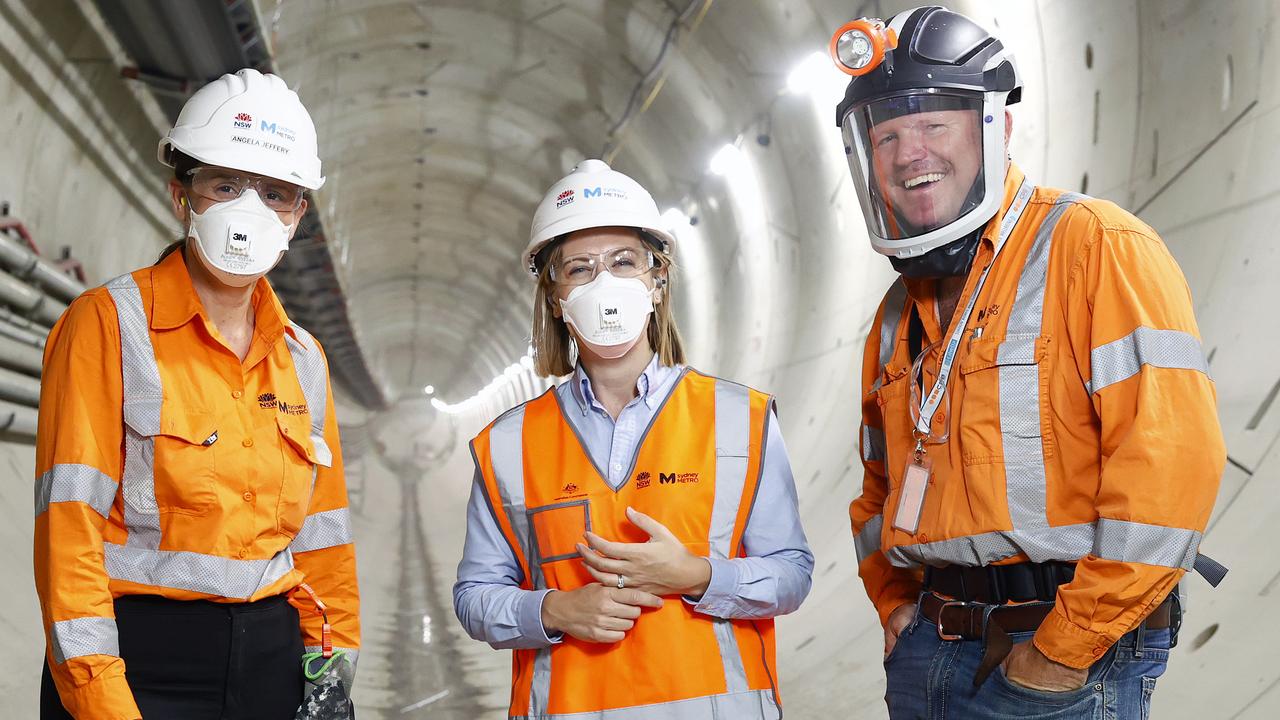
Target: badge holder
[915,477]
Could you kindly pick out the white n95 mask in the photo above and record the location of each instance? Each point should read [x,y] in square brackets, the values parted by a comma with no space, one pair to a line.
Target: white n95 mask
[240,240]
[609,314]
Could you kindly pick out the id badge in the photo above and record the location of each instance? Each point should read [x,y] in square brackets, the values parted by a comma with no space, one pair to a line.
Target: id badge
[911,500]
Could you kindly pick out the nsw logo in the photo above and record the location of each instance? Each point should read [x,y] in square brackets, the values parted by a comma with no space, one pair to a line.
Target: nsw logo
[243,121]
[643,480]
[564,198]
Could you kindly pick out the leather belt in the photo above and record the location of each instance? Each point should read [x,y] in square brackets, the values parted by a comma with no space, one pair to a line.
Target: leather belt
[992,624]
[957,620]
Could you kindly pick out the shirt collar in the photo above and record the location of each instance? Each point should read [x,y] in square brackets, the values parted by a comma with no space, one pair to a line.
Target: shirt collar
[648,381]
[171,281]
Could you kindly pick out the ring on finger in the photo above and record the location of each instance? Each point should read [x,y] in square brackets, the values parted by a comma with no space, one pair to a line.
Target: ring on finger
[622,581]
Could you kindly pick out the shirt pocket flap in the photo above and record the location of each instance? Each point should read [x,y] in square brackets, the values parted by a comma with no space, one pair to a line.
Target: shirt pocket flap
[1011,350]
[196,427]
[558,528]
[298,435]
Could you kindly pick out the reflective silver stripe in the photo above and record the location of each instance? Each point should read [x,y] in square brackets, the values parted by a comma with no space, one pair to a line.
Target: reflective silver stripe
[506,452]
[142,392]
[894,300]
[1070,543]
[748,705]
[872,444]
[733,448]
[143,397]
[308,363]
[196,572]
[1020,400]
[1121,359]
[84,636]
[1150,544]
[76,483]
[321,530]
[867,542]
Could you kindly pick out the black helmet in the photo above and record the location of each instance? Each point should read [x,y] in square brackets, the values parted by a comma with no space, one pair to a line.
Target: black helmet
[928,180]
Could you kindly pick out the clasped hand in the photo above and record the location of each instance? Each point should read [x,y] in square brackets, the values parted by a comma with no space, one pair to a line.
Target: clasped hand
[601,611]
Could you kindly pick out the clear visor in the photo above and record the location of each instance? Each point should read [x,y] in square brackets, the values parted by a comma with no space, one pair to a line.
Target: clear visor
[917,160]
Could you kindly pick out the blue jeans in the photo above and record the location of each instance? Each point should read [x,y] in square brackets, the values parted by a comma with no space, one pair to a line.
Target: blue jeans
[931,679]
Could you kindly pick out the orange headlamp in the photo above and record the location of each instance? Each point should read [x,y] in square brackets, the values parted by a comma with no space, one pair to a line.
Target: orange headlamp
[859,46]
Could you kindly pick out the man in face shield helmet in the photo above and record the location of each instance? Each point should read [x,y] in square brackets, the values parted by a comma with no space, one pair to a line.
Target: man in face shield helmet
[1028,505]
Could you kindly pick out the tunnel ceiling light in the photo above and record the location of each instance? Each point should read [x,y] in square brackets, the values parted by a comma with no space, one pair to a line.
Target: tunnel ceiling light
[810,74]
[728,160]
[429,390]
[674,219]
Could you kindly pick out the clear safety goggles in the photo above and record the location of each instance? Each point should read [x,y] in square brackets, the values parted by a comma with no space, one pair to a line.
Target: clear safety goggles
[223,184]
[917,160]
[582,268]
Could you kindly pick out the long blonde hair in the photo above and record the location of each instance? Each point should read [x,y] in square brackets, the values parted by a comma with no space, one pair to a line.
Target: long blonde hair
[554,349]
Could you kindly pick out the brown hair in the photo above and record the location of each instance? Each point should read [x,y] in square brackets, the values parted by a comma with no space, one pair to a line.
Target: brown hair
[554,348]
[183,164]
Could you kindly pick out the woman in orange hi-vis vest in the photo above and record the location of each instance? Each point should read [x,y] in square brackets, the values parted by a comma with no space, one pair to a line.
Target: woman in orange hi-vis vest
[613,537]
[188,468]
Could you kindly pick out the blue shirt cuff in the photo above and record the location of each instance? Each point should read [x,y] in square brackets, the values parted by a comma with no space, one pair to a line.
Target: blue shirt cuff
[722,590]
[531,618]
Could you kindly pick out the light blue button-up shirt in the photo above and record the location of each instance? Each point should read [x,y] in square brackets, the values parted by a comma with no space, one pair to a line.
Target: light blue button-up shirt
[772,580]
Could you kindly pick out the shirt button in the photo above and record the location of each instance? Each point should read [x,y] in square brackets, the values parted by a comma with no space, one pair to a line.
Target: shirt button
[248,496]
[924,538]
[617,468]
[247,442]
[243,553]
[236,394]
[1097,652]
[284,430]
[941,417]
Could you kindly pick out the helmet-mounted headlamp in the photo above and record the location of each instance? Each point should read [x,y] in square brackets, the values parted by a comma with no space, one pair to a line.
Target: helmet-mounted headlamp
[859,46]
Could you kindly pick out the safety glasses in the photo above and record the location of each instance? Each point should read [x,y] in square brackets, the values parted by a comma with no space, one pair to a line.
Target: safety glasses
[223,184]
[582,268]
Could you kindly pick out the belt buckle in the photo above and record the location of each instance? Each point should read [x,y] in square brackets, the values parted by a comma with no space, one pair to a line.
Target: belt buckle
[942,611]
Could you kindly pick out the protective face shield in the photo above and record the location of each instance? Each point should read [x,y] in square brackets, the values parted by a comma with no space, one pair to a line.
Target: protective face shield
[240,240]
[928,166]
[609,314]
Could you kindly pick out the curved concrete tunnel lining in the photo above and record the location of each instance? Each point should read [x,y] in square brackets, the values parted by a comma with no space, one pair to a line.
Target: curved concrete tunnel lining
[778,281]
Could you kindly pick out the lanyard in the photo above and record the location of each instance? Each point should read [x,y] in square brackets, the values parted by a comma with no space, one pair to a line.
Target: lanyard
[929,407]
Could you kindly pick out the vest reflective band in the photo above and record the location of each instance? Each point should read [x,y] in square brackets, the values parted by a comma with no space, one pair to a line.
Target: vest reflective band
[140,560]
[1022,437]
[698,478]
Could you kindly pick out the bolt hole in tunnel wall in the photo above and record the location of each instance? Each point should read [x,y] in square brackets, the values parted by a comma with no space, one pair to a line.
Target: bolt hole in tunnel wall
[441,123]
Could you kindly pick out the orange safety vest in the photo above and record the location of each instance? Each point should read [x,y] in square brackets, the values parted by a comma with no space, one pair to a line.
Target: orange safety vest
[696,477]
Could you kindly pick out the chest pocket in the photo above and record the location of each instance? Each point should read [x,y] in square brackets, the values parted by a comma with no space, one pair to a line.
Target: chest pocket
[555,531]
[176,459]
[1005,403]
[297,473]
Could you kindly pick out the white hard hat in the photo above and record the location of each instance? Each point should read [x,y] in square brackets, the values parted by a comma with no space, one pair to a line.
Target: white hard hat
[248,121]
[592,195]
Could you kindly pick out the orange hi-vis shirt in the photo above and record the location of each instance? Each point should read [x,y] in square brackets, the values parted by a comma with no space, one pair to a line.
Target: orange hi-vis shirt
[696,476]
[166,466]
[1081,417]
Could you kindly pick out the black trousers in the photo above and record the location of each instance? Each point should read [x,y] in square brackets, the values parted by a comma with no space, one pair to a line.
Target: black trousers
[199,660]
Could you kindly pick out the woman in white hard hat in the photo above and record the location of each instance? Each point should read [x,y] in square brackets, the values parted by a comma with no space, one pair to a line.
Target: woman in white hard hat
[189,476]
[633,532]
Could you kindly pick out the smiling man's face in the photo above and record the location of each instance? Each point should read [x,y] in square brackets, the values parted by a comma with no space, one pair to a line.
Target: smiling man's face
[926,163]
